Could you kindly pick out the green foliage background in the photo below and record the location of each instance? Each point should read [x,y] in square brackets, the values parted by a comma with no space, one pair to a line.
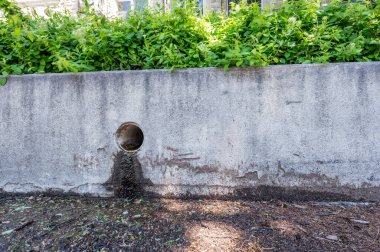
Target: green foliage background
[297,32]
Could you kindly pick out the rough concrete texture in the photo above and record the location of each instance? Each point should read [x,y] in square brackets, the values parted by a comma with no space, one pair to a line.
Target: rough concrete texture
[207,132]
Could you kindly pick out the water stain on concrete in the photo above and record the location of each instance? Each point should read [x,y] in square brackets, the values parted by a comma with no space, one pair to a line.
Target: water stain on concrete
[182,163]
[126,178]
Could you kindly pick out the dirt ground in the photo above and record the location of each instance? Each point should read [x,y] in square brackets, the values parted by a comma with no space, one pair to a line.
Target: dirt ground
[41,223]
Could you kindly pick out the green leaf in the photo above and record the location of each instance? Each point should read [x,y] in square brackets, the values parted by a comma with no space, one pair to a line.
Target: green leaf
[3,80]
[17,32]
[30,36]
[130,35]
[16,69]
[226,67]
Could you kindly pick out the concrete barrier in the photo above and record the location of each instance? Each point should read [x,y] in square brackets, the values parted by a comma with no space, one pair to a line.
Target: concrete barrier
[206,131]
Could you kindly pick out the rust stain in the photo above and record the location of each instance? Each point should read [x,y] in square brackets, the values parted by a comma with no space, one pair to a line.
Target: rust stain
[181,160]
[171,149]
[258,174]
[293,102]
[314,179]
[187,159]
[329,161]
[279,167]
[84,163]
[253,175]
[185,154]
[182,163]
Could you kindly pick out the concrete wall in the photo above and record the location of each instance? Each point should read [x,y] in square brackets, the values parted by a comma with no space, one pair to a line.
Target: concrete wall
[206,131]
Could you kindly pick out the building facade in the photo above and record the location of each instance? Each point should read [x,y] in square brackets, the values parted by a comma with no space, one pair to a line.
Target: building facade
[120,8]
[40,6]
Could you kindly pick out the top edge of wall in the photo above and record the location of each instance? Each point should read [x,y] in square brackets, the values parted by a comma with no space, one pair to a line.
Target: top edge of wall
[207,69]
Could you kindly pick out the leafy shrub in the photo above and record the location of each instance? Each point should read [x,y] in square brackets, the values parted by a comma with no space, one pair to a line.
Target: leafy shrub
[297,32]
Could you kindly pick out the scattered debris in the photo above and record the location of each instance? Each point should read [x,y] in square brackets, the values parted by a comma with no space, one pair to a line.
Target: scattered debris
[286,227]
[22,208]
[332,237]
[7,232]
[343,203]
[24,225]
[114,224]
[360,221]
[254,247]
[299,206]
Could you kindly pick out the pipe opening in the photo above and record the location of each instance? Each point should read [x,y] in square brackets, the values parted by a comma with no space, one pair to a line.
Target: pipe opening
[129,137]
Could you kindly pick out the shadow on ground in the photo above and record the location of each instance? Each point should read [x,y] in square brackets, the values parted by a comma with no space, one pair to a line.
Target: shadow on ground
[40,223]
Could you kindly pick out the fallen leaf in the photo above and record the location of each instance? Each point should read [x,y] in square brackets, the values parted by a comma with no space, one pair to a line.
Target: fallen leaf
[22,208]
[10,231]
[332,237]
[299,206]
[361,221]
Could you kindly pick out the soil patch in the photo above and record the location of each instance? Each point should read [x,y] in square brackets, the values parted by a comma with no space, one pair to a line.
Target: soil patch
[40,223]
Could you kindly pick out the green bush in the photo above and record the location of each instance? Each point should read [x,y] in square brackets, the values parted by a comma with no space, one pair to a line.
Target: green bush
[297,32]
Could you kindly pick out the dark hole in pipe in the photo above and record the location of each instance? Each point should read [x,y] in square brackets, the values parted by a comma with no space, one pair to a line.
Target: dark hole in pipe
[129,137]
